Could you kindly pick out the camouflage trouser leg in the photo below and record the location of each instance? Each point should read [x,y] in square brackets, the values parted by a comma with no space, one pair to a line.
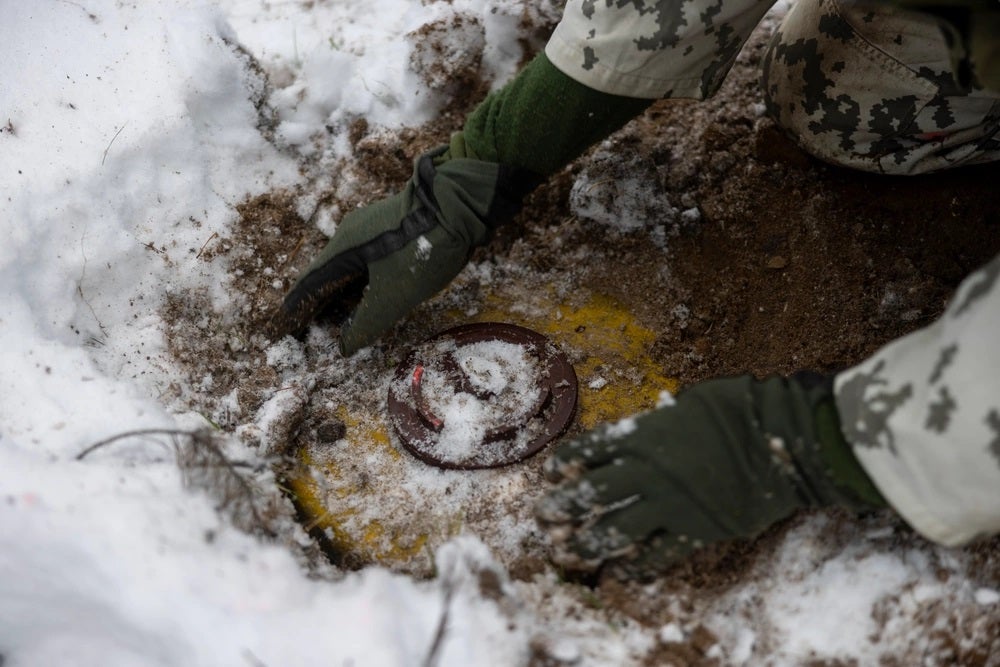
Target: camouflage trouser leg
[870,86]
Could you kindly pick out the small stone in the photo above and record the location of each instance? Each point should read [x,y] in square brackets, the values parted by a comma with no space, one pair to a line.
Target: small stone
[331,431]
[777,262]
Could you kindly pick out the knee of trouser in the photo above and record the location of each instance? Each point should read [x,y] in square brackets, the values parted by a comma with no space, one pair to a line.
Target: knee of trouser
[871,88]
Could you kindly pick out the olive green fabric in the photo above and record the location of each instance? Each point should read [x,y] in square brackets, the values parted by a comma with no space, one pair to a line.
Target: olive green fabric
[405,248]
[542,120]
[843,467]
[729,459]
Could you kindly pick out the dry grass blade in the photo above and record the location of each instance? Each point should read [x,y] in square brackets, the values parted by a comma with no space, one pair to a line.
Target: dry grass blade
[172,432]
[433,654]
[205,466]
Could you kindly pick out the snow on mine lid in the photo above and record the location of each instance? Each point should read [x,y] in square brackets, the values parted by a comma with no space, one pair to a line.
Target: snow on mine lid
[482,395]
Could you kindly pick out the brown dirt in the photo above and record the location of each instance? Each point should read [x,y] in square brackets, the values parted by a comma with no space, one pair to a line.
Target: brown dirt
[793,264]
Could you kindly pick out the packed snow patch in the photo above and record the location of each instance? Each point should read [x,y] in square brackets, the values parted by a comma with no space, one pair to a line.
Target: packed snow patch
[131,131]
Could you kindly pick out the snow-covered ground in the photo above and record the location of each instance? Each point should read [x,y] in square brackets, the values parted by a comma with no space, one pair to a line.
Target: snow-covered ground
[128,134]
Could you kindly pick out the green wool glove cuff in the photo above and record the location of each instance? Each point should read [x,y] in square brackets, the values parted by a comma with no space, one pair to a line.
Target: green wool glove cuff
[842,465]
[542,120]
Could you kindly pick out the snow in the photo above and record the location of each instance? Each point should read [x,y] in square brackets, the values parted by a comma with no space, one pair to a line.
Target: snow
[665,400]
[133,132]
[424,247]
[630,202]
[111,567]
[671,632]
[808,585]
[495,367]
[129,133]
[987,596]
[339,63]
[621,428]
[598,383]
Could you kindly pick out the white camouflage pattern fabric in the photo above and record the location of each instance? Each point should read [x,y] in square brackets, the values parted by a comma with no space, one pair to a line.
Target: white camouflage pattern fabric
[863,85]
[923,417]
[640,48]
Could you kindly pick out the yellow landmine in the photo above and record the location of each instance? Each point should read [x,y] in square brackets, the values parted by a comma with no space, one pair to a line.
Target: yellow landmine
[378,504]
[329,496]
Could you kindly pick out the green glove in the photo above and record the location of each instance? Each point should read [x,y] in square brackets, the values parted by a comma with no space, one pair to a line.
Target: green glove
[730,458]
[407,247]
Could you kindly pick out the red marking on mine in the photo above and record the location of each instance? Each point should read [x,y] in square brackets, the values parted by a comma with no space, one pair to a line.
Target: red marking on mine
[416,390]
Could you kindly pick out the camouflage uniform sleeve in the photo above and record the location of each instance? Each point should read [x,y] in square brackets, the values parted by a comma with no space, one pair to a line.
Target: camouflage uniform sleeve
[641,48]
[923,417]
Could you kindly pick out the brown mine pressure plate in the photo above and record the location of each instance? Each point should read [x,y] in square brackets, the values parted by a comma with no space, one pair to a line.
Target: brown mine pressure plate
[481,395]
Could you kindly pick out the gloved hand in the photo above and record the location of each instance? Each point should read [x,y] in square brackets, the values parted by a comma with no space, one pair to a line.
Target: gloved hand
[407,247]
[728,459]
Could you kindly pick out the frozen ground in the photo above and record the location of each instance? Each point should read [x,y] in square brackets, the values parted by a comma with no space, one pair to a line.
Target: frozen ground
[166,166]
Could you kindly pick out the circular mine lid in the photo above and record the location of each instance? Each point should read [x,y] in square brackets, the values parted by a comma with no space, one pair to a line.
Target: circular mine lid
[482,395]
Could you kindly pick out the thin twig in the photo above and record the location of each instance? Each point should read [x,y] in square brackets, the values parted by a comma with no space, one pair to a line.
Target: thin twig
[442,628]
[105,156]
[205,245]
[131,434]
[295,251]
[79,287]
[201,442]
[75,4]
